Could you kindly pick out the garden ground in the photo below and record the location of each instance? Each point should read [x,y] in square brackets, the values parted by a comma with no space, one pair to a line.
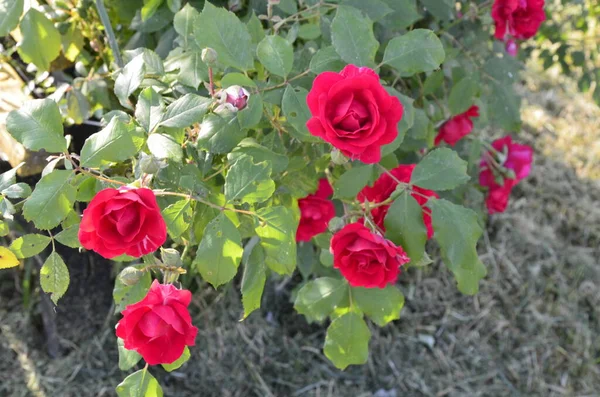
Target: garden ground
[532,330]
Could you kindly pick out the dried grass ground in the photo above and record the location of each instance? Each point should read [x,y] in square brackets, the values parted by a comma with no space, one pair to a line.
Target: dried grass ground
[532,330]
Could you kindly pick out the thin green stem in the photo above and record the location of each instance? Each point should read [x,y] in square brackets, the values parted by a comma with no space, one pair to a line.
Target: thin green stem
[110,33]
[285,82]
[208,203]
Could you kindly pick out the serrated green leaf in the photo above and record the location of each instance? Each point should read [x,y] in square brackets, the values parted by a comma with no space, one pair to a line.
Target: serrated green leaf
[178,216]
[506,106]
[183,23]
[192,71]
[69,236]
[78,107]
[309,31]
[255,28]
[54,277]
[382,306]
[236,78]
[222,31]
[352,37]
[185,356]
[18,190]
[462,95]
[115,142]
[297,113]
[127,358]
[404,226]
[125,295]
[352,181]
[163,146]
[252,114]
[51,201]
[186,111]
[253,281]
[319,297]
[10,13]
[276,54]
[9,177]
[404,14]
[374,9]
[38,125]
[149,109]
[247,182]
[259,153]
[29,245]
[35,29]
[326,59]
[130,79]
[220,251]
[347,341]
[441,169]
[457,232]
[417,51]
[140,384]
[440,9]
[277,231]
[220,134]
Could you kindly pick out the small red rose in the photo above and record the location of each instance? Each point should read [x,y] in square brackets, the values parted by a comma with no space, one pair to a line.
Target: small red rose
[366,259]
[383,188]
[123,221]
[511,158]
[457,127]
[159,327]
[352,111]
[520,19]
[315,212]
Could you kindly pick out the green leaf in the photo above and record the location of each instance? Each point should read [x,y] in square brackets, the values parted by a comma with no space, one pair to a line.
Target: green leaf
[9,178]
[178,216]
[236,78]
[347,341]
[78,107]
[277,231]
[506,106]
[10,13]
[164,146]
[187,110]
[149,109]
[130,79]
[440,9]
[252,114]
[127,358]
[51,201]
[276,54]
[404,14]
[259,153]
[54,277]
[38,125]
[140,384]
[417,51]
[255,28]
[69,236]
[352,181]
[4,229]
[374,9]
[115,142]
[125,295]
[404,226]
[149,8]
[433,82]
[29,245]
[441,169]
[326,59]
[352,37]
[457,232]
[18,190]
[309,31]
[185,356]
[318,298]
[222,31]
[382,306]
[192,71]
[183,22]
[220,251]
[220,134]
[297,113]
[462,95]
[247,182]
[174,5]
[253,281]
[41,41]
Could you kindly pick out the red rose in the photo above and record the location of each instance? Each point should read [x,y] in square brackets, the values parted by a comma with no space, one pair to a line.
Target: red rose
[510,157]
[315,212]
[457,127]
[520,19]
[366,259]
[383,188]
[123,221]
[352,111]
[159,327]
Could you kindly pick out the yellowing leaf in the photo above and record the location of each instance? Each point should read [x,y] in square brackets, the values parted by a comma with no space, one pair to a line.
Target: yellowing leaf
[7,258]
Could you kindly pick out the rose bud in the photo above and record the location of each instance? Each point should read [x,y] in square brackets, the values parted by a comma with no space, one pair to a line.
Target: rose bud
[232,99]
[209,56]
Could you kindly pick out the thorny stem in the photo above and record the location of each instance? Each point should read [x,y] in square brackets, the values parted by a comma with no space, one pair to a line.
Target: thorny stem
[112,39]
[211,83]
[100,177]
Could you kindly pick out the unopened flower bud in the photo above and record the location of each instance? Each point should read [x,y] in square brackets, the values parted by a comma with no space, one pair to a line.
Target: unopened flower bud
[336,224]
[209,56]
[338,157]
[232,99]
[170,257]
[512,48]
[130,276]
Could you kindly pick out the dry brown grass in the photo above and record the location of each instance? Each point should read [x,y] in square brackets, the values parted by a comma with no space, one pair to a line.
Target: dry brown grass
[532,330]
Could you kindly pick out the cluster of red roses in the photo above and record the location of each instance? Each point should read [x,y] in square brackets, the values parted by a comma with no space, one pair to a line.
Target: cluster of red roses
[517,20]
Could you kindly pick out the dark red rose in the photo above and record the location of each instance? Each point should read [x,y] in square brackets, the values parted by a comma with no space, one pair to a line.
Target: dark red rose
[124,221]
[457,127]
[352,111]
[383,188]
[315,212]
[366,259]
[502,170]
[159,327]
[520,19]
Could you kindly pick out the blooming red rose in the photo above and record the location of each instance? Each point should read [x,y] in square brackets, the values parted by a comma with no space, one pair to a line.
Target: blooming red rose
[159,327]
[520,19]
[366,259]
[457,127]
[315,212]
[352,111]
[511,157]
[383,188]
[123,221]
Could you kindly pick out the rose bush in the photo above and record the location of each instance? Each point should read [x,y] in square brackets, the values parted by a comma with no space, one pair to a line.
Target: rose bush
[285,136]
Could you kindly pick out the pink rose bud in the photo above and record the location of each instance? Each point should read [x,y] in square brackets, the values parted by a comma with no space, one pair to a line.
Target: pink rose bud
[512,48]
[236,96]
